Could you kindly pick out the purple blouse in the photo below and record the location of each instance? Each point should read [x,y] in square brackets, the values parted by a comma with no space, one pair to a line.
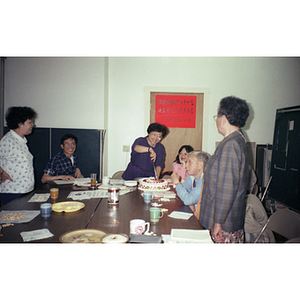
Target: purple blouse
[141,164]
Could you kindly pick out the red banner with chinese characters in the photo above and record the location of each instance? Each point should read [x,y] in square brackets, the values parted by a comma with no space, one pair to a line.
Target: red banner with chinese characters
[176,110]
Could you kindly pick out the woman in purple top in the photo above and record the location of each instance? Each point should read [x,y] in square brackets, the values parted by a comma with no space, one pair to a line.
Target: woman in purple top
[147,153]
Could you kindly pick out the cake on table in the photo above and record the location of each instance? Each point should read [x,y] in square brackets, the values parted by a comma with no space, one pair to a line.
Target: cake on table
[149,184]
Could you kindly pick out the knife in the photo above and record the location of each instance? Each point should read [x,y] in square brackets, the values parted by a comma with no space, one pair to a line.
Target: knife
[155,172]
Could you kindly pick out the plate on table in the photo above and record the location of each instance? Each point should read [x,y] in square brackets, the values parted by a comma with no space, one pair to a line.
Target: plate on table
[83,236]
[67,206]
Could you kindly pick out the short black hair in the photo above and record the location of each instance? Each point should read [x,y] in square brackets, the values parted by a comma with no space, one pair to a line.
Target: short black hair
[188,149]
[236,110]
[68,136]
[19,114]
[158,128]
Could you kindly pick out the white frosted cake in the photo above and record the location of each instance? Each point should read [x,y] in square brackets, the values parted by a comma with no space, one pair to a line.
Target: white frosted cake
[149,184]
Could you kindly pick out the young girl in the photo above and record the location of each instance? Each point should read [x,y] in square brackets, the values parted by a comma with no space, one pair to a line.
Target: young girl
[179,172]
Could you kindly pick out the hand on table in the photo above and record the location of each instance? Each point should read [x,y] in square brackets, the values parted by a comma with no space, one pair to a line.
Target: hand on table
[65,177]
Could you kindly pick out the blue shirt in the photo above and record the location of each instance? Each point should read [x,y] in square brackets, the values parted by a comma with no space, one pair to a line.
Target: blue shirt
[61,164]
[188,194]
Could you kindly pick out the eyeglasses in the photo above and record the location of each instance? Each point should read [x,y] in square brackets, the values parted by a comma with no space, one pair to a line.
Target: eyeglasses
[69,144]
[216,117]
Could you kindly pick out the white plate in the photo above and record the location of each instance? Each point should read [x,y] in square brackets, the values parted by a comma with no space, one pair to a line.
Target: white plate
[130,183]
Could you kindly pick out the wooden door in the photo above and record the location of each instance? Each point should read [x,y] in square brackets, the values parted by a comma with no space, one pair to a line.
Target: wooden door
[180,136]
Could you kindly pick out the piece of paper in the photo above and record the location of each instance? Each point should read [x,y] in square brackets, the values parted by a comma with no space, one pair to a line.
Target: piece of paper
[81,195]
[39,197]
[165,194]
[36,234]
[190,236]
[61,182]
[180,215]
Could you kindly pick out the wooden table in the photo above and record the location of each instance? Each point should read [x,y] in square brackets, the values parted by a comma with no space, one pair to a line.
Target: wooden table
[97,214]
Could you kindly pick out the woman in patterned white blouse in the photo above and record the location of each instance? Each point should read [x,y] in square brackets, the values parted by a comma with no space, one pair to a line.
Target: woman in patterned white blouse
[16,161]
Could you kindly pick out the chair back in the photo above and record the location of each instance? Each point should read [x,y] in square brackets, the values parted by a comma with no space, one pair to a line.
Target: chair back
[284,222]
[118,175]
[255,219]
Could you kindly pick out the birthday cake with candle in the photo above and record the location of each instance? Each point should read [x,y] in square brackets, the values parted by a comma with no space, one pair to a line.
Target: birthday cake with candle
[149,184]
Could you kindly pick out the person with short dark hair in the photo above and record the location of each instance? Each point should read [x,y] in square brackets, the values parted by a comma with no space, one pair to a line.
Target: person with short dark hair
[226,175]
[16,161]
[63,165]
[179,173]
[147,153]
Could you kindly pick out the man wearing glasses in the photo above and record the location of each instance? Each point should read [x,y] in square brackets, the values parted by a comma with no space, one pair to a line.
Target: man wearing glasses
[63,165]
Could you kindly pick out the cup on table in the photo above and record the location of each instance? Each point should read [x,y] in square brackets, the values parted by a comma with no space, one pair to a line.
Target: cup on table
[138,226]
[155,214]
[45,210]
[113,195]
[93,180]
[105,180]
[54,193]
[148,197]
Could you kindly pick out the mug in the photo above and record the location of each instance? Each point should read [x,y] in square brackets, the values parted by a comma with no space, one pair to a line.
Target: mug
[46,209]
[155,214]
[137,226]
[148,197]
[105,180]
[54,193]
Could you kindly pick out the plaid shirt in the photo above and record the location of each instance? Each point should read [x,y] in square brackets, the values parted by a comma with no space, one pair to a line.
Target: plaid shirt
[60,164]
[225,185]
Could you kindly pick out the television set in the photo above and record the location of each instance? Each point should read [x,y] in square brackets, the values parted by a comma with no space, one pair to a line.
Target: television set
[285,164]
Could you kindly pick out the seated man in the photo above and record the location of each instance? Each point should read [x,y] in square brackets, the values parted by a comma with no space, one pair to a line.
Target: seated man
[64,164]
[189,191]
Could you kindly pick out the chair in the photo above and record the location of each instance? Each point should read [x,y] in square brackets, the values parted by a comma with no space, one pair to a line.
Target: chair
[255,218]
[118,175]
[284,222]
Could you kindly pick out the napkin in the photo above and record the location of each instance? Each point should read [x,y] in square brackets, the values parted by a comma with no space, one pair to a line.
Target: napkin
[36,234]
[27,216]
[180,215]
[39,197]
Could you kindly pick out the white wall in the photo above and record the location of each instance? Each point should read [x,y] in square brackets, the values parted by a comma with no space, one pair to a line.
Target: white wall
[113,93]
[65,92]
[266,83]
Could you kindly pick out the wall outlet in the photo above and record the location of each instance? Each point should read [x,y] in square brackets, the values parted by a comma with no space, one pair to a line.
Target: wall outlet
[126,148]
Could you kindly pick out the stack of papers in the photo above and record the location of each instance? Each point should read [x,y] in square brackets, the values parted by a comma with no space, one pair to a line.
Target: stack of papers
[61,182]
[82,182]
[81,195]
[188,236]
